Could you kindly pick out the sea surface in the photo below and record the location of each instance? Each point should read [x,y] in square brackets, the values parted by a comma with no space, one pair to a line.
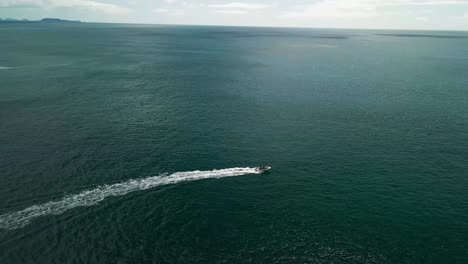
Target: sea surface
[138,144]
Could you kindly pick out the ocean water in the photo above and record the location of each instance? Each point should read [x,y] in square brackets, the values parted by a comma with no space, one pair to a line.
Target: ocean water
[138,144]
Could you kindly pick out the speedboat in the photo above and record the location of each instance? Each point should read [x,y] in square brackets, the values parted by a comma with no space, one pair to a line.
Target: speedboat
[263,168]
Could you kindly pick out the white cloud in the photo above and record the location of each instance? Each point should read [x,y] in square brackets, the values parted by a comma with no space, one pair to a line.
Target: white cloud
[87,5]
[160,10]
[21,3]
[240,6]
[232,12]
[450,14]
[167,11]
[91,6]
[187,4]
[358,8]
[335,9]
[422,19]
[425,2]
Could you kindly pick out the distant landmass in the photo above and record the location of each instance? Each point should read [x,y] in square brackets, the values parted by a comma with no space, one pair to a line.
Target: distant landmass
[44,20]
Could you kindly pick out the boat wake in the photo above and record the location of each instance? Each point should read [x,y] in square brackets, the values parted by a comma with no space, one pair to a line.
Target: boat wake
[34,66]
[92,197]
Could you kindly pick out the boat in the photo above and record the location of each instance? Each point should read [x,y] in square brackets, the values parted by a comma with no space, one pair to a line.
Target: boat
[263,168]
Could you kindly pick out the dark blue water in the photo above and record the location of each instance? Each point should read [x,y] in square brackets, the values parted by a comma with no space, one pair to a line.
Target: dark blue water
[366,131]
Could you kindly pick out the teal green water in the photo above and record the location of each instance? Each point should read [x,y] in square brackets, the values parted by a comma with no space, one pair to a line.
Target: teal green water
[366,131]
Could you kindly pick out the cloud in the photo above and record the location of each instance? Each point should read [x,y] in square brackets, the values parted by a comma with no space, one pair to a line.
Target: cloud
[422,19]
[240,6]
[87,5]
[324,9]
[21,3]
[160,10]
[232,12]
[335,9]
[91,6]
[167,11]
[425,2]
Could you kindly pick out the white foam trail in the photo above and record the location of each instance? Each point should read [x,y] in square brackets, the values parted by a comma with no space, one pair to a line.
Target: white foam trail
[35,66]
[21,218]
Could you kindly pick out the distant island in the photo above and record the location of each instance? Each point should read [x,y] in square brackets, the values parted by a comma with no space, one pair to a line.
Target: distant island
[44,20]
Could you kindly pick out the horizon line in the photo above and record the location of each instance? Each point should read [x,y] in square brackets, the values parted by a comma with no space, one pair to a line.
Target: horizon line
[25,20]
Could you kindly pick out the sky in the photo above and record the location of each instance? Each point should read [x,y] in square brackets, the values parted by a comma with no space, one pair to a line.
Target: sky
[385,14]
